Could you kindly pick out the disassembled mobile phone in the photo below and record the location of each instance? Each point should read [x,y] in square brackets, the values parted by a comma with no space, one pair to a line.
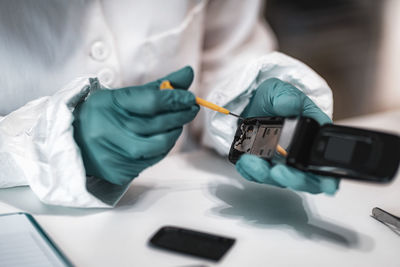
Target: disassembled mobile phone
[331,150]
[200,244]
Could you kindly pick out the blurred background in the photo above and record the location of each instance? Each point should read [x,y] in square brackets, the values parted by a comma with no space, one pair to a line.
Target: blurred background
[353,44]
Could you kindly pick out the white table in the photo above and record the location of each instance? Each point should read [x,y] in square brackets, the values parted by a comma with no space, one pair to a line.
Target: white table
[200,190]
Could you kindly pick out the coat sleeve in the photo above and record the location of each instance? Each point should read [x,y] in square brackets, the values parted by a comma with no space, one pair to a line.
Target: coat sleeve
[37,148]
[238,56]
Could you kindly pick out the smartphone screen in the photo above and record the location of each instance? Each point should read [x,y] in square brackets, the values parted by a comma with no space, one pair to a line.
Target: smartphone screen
[200,244]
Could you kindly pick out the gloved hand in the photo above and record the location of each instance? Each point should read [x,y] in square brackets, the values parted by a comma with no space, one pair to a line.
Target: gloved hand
[121,132]
[277,98]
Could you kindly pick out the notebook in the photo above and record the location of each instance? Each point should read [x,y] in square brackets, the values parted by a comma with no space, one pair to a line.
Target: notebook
[24,243]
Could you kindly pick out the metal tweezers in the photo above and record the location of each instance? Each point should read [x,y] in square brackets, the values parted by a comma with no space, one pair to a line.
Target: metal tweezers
[390,220]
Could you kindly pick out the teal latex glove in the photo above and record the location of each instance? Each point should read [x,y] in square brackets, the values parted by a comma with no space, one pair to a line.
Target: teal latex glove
[121,132]
[277,98]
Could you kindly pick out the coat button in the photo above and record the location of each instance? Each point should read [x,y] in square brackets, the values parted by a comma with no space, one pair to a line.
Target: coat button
[99,51]
[106,76]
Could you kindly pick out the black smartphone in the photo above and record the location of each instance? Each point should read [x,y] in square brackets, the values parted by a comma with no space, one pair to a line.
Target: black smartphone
[331,150]
[191,242]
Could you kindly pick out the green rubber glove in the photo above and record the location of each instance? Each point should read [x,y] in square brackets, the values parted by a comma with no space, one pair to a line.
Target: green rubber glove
[121,132]
[277,98]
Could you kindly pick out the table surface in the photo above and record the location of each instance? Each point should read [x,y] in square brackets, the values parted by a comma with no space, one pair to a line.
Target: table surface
[202,191]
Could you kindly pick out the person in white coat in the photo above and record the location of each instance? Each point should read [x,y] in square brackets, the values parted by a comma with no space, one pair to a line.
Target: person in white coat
[79,80]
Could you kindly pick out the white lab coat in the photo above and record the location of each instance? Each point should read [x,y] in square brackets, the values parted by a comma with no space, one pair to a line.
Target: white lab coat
[49,48]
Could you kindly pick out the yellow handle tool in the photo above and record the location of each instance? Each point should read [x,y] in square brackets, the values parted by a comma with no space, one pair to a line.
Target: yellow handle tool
[167,85]
[281,150]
